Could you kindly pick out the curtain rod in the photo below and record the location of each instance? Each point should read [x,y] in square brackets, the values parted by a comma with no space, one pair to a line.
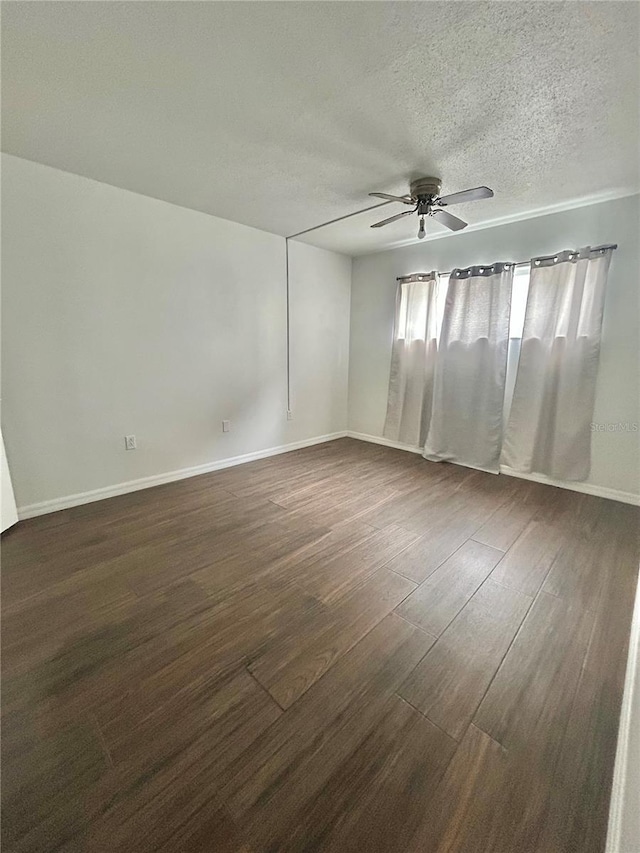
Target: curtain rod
[421,276]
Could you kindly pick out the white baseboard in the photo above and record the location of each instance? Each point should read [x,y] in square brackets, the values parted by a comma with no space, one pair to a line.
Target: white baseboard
[386,442]
[585,488]
[44,507]
[624,824]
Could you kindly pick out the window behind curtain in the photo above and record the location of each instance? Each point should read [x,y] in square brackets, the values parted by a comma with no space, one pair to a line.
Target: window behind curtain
[518,304]
[519,294]
[416,331]
[516,324]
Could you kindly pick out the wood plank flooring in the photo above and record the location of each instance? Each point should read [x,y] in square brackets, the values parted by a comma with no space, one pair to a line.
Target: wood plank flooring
[344,648]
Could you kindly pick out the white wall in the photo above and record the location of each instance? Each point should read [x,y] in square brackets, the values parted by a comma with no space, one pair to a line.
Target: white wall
[123,314]
[320,285]
[615,455]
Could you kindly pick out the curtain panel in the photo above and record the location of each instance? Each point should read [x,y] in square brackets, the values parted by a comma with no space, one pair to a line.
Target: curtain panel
[549,428]
[467,411]
[412,361]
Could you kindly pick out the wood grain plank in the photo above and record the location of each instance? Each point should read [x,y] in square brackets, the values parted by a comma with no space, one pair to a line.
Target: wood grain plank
[337,540]
[450,682]
[75,546]
[43,795]
[161,789]
[212,704]
[527,563]
[340,574]
[438,600]
[349,699]
[577,812]
[619,560]
[289,667]
[421,559]
[525,710]
[576,817]
[471,497]
[578,572]
[459,818]
[375,798]
[458,507]
[504,526]
[341,502]
[490,799]
[235,629]
[430,484]
[209,826]
[530,697]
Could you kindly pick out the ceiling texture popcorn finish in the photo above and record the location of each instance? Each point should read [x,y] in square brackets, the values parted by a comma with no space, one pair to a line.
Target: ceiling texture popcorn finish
[286,115]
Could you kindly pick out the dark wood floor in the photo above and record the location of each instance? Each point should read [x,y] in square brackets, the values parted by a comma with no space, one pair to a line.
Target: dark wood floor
[345,648]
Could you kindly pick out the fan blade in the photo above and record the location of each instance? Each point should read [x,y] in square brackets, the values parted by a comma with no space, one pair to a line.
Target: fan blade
[404,200]
[448,220]
[392,219]
[466,195]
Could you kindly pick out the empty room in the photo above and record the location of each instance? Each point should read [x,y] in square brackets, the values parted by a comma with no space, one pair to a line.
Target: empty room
[320,427]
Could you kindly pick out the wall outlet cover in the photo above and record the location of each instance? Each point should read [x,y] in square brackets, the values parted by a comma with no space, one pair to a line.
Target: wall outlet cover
[226,426]
[130,442]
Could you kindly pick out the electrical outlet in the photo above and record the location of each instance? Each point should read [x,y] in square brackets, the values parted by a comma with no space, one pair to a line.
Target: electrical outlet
[130,442]
[226,426]
[289,415]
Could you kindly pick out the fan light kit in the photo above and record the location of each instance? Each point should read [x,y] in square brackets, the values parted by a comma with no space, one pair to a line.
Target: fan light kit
[424,199]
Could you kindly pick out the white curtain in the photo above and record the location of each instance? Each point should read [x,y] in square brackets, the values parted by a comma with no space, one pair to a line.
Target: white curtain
[549,429]
[467,417]
[412,361]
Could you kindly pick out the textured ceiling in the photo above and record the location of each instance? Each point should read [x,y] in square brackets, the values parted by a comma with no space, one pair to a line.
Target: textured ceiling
[285,115]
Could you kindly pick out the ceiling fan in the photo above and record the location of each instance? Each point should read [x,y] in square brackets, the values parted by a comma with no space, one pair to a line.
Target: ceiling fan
[424,199]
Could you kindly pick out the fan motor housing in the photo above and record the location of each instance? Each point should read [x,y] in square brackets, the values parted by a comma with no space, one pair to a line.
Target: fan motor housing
[425,187]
